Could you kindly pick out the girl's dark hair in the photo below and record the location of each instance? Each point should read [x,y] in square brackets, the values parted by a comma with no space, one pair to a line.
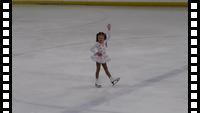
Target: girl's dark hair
[100,33]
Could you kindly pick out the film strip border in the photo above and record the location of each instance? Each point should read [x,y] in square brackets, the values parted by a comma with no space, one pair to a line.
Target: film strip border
[6,53]
[6,56]
[193,57]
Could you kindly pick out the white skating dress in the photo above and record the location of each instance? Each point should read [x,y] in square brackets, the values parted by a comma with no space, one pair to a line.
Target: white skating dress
[100,48]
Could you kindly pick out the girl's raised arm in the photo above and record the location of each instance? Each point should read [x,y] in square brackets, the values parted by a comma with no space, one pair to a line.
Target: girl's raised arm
[108,31]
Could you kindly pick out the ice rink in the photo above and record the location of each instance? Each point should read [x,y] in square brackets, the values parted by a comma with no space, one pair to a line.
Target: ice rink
[53,72]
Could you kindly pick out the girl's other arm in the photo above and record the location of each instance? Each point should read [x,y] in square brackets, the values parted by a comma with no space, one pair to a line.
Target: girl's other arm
[93,49]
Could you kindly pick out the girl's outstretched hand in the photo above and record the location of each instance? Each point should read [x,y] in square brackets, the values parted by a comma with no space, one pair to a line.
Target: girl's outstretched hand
[109,27]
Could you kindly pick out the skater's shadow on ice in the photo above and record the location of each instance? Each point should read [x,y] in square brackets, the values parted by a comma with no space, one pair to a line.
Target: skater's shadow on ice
[91,87]
[135,86]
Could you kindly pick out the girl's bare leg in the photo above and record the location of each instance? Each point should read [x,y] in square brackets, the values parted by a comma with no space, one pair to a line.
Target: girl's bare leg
[106,70]
[98,66]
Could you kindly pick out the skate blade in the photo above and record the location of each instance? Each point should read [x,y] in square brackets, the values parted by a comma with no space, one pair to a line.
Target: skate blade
[115,81]
[98,86]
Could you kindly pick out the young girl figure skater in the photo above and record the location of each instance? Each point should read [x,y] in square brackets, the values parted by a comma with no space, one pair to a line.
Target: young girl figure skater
[100,56]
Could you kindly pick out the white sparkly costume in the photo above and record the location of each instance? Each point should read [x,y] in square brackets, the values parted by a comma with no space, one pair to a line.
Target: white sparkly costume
[100,48]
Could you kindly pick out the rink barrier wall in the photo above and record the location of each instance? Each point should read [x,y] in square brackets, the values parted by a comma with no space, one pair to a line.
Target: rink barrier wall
[99,3]
[6,56]
[193,56]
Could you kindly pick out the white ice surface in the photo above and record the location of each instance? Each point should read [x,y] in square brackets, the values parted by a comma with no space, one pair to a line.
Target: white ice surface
[53,72]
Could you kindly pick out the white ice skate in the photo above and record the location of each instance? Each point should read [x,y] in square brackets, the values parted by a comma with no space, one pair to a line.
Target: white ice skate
[114,81]
[97,84]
